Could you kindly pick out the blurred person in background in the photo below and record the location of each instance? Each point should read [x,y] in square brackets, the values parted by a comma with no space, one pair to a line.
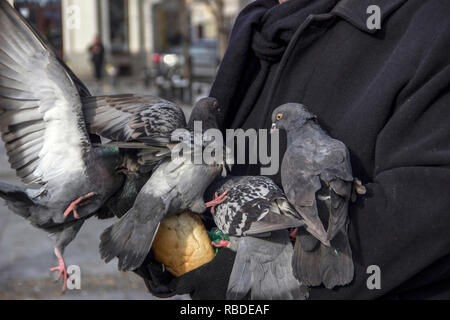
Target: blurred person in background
[98,56]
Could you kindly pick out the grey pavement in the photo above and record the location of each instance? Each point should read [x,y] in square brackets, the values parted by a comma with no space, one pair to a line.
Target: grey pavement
[26,253]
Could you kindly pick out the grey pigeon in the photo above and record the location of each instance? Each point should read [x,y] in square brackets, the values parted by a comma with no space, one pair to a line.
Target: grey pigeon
[317,178]
[256,209]
[44,131]
[175,185]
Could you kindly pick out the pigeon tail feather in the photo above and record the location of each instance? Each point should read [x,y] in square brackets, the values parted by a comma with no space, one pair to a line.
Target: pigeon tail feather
[262,268]
[306,259]
[315,264]
[16,199]
[130,239]
[336,264]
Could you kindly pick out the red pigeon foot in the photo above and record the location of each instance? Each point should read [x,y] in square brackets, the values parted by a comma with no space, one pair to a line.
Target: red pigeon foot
[217,200]
[75,204]
[293,233]
[61,268]
[220,244]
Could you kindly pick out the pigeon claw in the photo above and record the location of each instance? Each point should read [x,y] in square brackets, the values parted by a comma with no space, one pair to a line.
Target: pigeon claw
[293,233]
[359,187]
[78,203]
[220,244]
[61,268]
[217,200]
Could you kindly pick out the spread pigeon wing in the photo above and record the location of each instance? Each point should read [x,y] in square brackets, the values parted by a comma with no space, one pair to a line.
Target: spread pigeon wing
[134,122]
[130,117]
[41,120]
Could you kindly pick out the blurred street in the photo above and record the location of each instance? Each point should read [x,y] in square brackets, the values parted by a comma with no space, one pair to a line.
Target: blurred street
[26,253]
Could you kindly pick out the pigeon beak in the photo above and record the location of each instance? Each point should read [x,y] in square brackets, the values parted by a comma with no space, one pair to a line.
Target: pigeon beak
[274,127]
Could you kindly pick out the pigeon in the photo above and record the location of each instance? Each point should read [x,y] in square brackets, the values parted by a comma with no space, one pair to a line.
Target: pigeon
[141,126]
[262,270]
[176,184]
[127,121]
[256,209]
[251,205]
[122,201]
[317,179]
[46,112]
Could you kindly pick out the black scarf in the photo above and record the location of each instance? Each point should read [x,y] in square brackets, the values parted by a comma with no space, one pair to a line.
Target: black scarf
[265,29]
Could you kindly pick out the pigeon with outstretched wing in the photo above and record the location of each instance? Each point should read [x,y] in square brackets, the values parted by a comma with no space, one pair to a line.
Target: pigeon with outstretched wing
[45,137]
[45,112]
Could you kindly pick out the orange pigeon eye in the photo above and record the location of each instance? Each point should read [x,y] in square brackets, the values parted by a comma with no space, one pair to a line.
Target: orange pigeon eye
[279,116]
[216,105]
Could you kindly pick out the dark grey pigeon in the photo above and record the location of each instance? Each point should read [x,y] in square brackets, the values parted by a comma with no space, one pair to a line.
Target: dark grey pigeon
[44,131]
[176,184]
[45,137]
[256,209]
[317,178]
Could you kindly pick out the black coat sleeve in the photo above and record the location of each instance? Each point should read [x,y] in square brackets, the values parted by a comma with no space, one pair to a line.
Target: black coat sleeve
[402,224]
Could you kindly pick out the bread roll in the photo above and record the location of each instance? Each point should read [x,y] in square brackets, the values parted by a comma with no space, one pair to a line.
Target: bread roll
[182,243]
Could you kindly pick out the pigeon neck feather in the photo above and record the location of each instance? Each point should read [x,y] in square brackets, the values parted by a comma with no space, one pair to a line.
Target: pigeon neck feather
[308,128]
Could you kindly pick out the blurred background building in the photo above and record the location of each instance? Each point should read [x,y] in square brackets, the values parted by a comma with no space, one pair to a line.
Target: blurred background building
[132,31]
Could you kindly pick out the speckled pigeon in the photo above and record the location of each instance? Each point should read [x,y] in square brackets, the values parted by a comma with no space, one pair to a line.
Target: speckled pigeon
[175,185]
[43,125]
[256,209]
[251,205]
[140,125]
[317,178]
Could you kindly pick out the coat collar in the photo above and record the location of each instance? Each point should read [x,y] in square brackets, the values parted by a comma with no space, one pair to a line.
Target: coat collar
[355,11]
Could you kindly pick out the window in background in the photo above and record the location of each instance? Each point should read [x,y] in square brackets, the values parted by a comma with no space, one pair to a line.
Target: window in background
[118,19]
[45,17]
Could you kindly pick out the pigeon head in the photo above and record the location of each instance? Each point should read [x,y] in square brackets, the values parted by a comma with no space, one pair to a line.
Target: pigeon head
[290,115]
[206,110]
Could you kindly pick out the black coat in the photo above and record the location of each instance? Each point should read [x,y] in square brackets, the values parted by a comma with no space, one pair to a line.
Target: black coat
[384,93]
